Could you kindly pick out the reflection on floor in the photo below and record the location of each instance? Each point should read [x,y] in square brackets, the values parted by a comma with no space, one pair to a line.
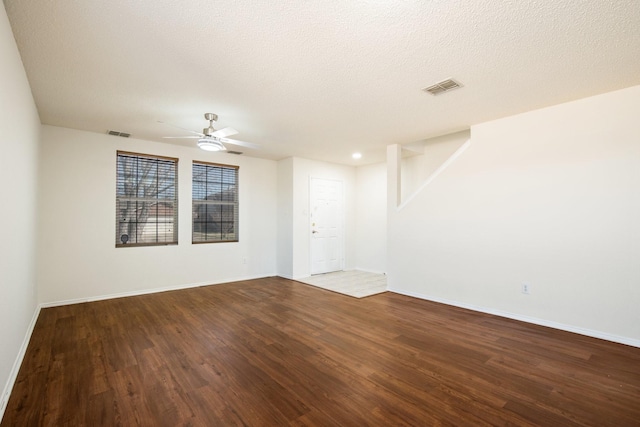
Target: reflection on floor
[354,283]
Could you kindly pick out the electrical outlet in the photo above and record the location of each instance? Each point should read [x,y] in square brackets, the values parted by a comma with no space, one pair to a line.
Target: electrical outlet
[526,288]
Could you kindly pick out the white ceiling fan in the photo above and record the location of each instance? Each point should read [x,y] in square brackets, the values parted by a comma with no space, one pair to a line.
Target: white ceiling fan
[211,139]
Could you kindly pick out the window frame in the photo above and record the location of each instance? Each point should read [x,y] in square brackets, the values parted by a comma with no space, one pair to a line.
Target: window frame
[174,200]
[198,202]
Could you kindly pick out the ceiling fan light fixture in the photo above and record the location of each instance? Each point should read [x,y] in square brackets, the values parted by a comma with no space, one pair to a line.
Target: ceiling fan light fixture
[210,144]
[211,139]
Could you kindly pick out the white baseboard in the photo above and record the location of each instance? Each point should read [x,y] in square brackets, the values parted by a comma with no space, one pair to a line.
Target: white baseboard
[146,291]
[13,375]
[353,269]
[536,321]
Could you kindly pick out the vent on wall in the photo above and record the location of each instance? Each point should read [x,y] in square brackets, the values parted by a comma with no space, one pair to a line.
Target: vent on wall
[116,133]
[442,87]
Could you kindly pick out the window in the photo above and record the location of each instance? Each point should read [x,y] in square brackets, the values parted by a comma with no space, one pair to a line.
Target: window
[215,203]
[146,200]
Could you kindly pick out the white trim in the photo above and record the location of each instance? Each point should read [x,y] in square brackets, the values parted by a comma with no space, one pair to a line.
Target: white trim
[534,320]
[13,375]
[366,270]
[437,172]
[146,291]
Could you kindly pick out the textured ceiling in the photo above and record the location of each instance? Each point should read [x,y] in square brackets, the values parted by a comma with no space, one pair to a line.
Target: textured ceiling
[317,79]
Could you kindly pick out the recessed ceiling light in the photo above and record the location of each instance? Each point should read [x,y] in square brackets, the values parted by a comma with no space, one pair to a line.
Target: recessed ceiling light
[356,156]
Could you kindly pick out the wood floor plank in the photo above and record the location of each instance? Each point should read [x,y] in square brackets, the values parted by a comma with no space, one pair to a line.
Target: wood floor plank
[274,352]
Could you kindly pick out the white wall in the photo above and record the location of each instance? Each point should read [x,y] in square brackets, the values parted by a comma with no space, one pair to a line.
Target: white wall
[285,218]
[435,151]
[550,197]
[19,136]
[371,218]
[371,195]
[78,257]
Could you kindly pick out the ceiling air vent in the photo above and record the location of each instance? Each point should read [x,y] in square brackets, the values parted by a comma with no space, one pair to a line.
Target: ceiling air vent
[442,87]
[116,133]
[234,152]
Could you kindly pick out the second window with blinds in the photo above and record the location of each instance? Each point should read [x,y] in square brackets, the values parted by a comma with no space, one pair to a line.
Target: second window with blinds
[215,203]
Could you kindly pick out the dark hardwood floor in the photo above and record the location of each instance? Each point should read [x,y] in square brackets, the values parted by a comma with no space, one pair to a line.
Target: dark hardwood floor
[274,352]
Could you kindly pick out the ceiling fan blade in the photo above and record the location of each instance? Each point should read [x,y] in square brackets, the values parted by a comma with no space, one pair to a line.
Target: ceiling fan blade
[184,129]
[223,133]
[181,137]
[240,143]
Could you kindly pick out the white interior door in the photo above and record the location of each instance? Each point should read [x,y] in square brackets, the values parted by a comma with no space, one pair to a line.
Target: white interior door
[326,215]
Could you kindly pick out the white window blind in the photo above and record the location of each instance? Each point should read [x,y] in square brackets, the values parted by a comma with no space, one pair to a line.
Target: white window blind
[215,203]
[146,200]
